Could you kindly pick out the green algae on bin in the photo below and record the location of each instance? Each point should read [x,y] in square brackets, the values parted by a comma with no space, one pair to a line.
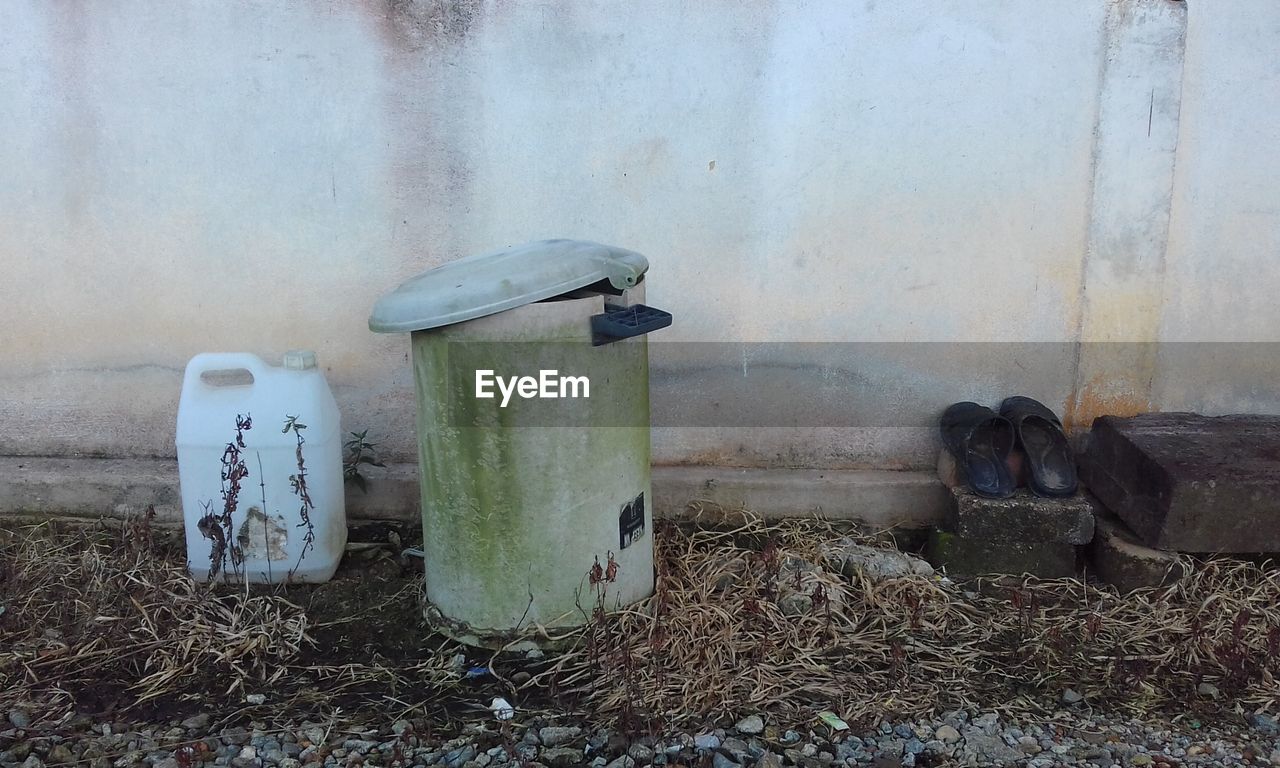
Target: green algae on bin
[519,502]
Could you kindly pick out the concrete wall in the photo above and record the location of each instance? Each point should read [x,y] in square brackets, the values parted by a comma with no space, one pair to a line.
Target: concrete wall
[252,175]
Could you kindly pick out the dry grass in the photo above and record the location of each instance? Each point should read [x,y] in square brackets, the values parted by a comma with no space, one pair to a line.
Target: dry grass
[742,621]
[714,641]
[82,609]
[99,618]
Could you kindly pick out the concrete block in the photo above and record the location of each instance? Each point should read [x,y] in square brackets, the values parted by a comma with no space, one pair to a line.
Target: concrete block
[1190,483]
[960,555]
[1022,517]
[1117,557]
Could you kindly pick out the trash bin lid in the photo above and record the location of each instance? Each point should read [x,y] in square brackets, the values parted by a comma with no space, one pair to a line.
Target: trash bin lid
[507,278]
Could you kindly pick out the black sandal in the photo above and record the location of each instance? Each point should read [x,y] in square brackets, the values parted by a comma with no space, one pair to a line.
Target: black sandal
[980,440]
[1053,469]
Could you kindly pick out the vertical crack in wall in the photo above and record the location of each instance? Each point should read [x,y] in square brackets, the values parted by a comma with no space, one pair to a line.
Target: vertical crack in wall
[1130,198]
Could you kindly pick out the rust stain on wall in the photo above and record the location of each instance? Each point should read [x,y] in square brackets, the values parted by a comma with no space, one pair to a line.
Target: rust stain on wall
[1100,398]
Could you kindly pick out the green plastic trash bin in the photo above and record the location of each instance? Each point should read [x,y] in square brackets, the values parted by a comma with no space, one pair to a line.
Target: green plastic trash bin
[529,490]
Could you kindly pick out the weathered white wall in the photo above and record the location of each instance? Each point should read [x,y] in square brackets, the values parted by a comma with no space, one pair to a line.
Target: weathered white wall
[1222,269]
[252,175]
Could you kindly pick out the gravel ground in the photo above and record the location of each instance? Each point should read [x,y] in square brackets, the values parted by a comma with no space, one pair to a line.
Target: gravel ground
[957,738]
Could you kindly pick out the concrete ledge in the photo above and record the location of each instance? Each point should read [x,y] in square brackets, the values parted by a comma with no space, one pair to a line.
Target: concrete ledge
[880,498]
[93,487]
[76,487]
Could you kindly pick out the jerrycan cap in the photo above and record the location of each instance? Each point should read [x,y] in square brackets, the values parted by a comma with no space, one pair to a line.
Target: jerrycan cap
[299,360]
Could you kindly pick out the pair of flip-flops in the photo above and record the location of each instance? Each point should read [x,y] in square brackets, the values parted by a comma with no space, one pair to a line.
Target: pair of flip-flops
[981,440]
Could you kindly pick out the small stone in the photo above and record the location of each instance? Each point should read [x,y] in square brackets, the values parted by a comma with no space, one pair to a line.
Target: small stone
[255,699]
[554,736]
[457,757]
[1208,689]
[1140,760]
[769,760]
[1029,745]
[849,749]
[562,757]
[947,734]
[989,748]
[641,753]
[751,725]
[987,722]
[913,746]
[32,762]
[1264,723]
[706,741]
[720,761]
[290,762]
[624,761]
[197,722]
[19,718]
[737,749]
[167,762]
[525,752]
[235,736]
[534,654]
[248,753]
[1070,696]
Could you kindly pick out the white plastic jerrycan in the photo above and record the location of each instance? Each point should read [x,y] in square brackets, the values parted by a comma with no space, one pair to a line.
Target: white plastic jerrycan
[260,465]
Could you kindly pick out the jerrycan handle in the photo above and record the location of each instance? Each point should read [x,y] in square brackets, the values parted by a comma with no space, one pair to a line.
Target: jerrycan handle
[221,361]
